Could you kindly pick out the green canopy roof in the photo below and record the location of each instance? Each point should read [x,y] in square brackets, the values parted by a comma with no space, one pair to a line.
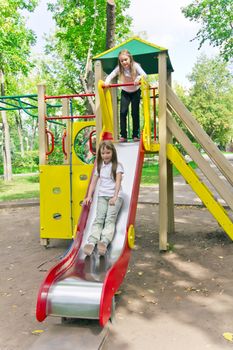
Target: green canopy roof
[143,52]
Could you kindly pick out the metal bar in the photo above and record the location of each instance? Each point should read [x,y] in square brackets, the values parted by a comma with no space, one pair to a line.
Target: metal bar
[154,112]
[73,117]
[68,96]
[12,97]
[17,108]
[8,103]
[117,85]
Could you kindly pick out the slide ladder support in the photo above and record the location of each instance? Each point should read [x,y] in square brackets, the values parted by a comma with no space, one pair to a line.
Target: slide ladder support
[201,190]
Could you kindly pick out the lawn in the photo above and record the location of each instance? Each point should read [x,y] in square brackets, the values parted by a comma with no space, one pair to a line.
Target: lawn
[27,187]
[150,174]
[21,187]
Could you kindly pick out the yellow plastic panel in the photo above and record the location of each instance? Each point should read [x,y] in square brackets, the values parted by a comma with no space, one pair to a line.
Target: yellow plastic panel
[55,210]
[77,127]
[81,178]
[146,110]
[58,218]
[106,107]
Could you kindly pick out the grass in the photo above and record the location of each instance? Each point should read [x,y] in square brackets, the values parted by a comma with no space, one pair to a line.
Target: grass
[27,187]
[21,187]
[150,173]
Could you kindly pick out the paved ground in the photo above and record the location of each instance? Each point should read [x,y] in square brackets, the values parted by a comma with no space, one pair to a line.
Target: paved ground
[182,299]
[178,300]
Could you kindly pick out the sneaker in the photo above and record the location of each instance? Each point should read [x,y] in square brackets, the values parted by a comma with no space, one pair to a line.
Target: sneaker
[102,248]
[89,248]
[136,139]
[123,139]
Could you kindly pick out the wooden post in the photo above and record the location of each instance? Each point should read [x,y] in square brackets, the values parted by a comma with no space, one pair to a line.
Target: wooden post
[65,112]
[98,75]
[163,175]
[42,124]
[170,187]
[115,112]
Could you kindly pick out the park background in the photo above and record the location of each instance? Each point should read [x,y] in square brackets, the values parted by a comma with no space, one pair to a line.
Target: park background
[53,42]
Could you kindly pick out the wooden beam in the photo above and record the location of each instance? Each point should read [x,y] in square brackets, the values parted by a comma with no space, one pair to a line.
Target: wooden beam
[170,182]
[163,207]
[98,76]
[41,124]
[65,112]
[115,112]
[220,186]
[205,141]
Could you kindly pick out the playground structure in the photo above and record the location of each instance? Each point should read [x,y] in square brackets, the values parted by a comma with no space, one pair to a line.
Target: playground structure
[83,287]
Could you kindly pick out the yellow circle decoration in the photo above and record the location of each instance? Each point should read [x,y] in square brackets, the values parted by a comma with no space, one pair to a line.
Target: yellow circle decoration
[131,236]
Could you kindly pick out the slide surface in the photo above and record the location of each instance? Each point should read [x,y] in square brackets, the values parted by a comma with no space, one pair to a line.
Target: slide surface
[84,287]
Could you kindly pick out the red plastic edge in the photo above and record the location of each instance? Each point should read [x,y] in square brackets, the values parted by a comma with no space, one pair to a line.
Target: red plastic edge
[62,266]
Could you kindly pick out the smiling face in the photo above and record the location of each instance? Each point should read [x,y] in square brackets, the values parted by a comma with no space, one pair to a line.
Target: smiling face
[106,155]
[124,61]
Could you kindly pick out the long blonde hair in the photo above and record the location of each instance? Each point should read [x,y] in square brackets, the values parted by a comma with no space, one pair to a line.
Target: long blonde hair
[132,65]
[110,146]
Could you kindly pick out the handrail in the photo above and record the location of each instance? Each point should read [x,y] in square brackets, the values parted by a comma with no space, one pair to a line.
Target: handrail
[106,108]
[203,139]
[48,132]
[90,142]
[89,116]
[147,119]
[220,186]
[119,85]
[63,143]
[68,96]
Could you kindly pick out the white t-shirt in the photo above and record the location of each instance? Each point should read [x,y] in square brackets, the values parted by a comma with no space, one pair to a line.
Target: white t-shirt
[107,184]
[127,78]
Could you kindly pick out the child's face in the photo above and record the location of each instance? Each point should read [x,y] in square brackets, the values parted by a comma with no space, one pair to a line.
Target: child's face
[106,155]
[124,60]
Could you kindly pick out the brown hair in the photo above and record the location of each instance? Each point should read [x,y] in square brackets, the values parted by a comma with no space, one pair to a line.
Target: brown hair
[110,146]
[132,67]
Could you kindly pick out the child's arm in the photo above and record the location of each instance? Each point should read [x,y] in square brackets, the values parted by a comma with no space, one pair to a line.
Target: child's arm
[111,76]
[91,190]
[141,73]
[112,201]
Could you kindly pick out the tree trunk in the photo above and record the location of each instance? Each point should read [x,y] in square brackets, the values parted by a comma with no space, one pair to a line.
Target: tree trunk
[111,24]
[91,105]
[20,133]
[34,130]
[6,138]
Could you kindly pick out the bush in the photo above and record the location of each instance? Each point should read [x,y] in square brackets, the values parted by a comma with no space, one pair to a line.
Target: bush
[26,164]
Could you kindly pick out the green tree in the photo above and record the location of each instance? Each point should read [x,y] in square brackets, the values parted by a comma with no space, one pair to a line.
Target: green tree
[210,98]
[15,43]
[81,34]
[216,19]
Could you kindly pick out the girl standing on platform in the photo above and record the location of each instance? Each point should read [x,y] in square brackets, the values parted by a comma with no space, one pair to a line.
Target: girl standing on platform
[110,200]
[128,71]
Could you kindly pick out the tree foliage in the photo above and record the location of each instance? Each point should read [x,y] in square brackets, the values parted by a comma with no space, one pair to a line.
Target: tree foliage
[15,38]
[210,98]
[216,19]
[15,45]
[81,34]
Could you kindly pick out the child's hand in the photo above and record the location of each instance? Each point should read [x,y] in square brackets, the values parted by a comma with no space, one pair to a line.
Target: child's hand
[106,85]
[136,82]
[112,201]
[86,201]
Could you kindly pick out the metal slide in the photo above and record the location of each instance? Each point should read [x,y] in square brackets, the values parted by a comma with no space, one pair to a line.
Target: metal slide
[84,287]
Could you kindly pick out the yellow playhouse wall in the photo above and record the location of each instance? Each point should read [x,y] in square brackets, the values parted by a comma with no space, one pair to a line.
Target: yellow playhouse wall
[56,211]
